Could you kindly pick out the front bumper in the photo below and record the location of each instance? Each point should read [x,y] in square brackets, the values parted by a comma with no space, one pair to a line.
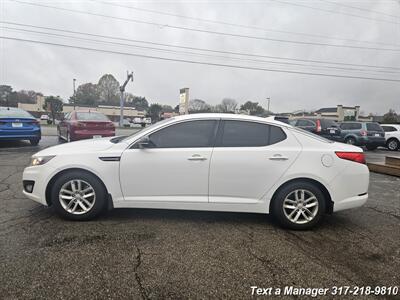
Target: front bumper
[40,175]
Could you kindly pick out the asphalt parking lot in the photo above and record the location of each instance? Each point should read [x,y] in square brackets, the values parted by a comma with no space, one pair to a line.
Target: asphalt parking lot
[153,254]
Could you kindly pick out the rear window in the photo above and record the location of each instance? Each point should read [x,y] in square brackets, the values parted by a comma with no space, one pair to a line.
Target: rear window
[350,126]
[374,127]
[91,116]
[325,123]
[14,113]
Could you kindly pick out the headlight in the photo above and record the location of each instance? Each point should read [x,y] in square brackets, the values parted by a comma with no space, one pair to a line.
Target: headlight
[40,160]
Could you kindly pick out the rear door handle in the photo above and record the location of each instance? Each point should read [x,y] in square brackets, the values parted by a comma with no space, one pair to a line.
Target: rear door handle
[278,157]
[197,157]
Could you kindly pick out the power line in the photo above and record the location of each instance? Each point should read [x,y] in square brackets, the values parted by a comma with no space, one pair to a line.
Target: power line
[199,49]
[239,25]
[210,31]
[334,11]
[200,54]
[202,63]
[360,8]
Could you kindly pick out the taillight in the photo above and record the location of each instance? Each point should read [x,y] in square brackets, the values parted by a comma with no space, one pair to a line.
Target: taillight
[34,122]
[80,124]
[319,128]
[363,133]
[353,156]
[110,125]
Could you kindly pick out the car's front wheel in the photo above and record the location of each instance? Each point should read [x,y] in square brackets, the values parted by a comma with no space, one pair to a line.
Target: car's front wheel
[298,205]
[78,195]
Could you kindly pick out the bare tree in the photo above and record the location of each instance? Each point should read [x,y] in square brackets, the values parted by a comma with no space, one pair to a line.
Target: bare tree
[227,106]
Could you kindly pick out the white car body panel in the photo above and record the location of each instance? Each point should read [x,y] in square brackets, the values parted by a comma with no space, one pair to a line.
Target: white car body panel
[392,134]
[230,179]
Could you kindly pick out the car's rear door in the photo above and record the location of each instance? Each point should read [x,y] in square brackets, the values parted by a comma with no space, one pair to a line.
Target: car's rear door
[248,159]
[175,168]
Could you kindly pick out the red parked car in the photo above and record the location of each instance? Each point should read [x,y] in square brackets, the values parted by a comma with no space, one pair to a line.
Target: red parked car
[78,125]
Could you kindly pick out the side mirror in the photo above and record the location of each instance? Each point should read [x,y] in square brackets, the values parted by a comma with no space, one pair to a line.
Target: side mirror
[144,142]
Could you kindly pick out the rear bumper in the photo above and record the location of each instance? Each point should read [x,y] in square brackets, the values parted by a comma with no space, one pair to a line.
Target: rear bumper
[14,135]
[88,134]
[351,202]
[372,141]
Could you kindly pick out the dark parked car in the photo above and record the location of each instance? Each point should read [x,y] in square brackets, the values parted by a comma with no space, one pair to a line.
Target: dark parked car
[17,124]
[368,134]
[78,125]
[324,127]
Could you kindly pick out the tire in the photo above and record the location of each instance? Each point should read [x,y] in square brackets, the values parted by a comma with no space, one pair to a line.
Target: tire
[60,139]
[34,142]
[393,144]
[371,147]
[286,196]
[350,141]
[73,209]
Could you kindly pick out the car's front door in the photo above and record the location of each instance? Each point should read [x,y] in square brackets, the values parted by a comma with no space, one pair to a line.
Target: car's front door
[248,159]
[175,165]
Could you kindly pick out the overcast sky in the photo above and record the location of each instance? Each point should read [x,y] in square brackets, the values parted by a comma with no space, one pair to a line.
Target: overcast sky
[50,69]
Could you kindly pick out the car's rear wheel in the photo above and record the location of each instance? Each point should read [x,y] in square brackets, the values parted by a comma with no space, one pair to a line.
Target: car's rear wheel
[393,144]
[34,142]
[78,195]
[298,205]
[350,141]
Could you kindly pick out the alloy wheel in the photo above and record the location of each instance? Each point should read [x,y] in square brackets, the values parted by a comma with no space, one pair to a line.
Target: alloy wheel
[392,145]
[300,206]
[77,196]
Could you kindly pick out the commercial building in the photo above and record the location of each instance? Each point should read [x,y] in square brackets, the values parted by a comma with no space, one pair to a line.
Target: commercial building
[112,112]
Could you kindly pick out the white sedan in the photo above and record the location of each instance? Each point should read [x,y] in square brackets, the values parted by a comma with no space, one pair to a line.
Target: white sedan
[211,162]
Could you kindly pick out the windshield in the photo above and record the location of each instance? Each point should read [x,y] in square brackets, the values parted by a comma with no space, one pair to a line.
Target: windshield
[14,113]
[119,139]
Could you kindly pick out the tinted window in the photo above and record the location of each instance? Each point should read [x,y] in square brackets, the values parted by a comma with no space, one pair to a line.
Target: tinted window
[305,123]
[388,128]
[276,135]
[373,127]
[326,123]
[192,134]
[90,116]
[350,126]
[249,134]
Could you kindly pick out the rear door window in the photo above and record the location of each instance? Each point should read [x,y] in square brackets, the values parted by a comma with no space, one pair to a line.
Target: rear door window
[249,134]
[305,123]
[350,126]
[388,128]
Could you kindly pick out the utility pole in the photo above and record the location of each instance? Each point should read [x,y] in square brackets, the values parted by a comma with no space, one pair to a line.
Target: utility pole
[122,90]
[73,84]
[268,99]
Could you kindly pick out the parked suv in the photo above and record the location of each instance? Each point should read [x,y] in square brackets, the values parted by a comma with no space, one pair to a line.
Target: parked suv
[368,134]
[392,136]
[323,127]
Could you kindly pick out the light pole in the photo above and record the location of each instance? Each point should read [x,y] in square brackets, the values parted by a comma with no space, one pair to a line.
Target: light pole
[73,84]
[269,100]
[122,90]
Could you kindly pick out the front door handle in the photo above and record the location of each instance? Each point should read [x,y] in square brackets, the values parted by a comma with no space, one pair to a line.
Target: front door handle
[197,157]
[278,157]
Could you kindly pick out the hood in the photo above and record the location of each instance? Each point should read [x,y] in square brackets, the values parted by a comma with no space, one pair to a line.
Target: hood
[79,147]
